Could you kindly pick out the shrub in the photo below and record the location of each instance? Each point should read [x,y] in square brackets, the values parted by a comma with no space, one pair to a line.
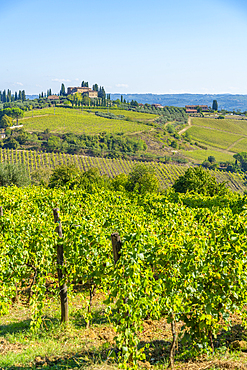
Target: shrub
[200,181]
[119,182]
[13,174]
[63,175]
[211,159]
[142,179]
[6,121]
[91,179]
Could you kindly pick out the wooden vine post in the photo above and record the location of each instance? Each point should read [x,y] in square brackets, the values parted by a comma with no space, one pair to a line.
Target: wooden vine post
[116,246]
[60,264]
[173,344]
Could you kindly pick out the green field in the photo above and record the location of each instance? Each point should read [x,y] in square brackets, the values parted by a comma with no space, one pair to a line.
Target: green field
[230,125]
[74,121]
[200,155]
[241,146]
[135,116]
[212,137]
[167,173]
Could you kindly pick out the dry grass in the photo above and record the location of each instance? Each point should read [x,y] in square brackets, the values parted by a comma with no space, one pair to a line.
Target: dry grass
[56,347]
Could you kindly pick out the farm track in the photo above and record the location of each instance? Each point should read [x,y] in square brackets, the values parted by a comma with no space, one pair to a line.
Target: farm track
[228,150]
[41,115]
[236,142]
[186,128]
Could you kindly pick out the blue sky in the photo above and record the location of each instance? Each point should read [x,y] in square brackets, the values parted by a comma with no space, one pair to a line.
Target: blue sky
[129,46]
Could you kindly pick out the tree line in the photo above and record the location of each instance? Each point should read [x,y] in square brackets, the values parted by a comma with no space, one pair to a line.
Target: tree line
[103,145]
[7,96]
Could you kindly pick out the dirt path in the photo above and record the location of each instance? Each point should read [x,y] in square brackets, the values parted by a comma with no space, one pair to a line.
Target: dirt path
[186,128]
[236,142]
[139,132]
[41,115]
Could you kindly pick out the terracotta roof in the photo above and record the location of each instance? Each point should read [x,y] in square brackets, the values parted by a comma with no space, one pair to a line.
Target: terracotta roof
[52,97]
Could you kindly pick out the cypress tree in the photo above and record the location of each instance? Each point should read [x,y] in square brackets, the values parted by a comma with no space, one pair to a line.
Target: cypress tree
[215,105]
[23,95]
[84,84]
[9,96]
[4,96]
[16,97]
[19,95]
[62,91]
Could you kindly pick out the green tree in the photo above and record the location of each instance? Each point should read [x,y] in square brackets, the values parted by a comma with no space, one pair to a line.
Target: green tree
[198,180]
[142,179]
[86,100]
[242,159]
[101,93]
[4,99]
[5,121]
[13,174]
[11,143]
[91,179]
[72,99]
[54,142]
[211,159]
[62,90]
[23,95]
[9,96]
[17,113]
[41,176]
[63,175]
[119,182]
[215,105]
[84,84]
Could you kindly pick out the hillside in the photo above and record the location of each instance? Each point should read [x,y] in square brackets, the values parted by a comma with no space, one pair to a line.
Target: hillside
[166,173]
[225,101]
[61,120]
[95,134]
[223,138]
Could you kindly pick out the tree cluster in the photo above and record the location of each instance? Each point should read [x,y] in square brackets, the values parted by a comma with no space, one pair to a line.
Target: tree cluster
[7,96]
[200,181]
[141,180]
[7,115]
[105,145]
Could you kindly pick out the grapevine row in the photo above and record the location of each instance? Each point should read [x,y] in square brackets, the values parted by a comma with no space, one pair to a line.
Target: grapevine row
[167,173]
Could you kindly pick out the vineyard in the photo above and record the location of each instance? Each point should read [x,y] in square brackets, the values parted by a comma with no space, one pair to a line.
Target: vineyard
[167,173]
[178,258]
[62,120]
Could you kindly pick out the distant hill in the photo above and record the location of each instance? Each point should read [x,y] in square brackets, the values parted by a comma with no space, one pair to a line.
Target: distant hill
[225,101]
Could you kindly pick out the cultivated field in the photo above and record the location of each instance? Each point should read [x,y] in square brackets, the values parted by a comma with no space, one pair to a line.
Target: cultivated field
[200,155]
[167,173]
[213,137]
[81,122]
[181,270]
[229,125]
[240,146]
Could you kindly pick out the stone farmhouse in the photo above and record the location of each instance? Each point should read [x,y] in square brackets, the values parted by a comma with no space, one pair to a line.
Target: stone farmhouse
[193,108]
[82,90]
